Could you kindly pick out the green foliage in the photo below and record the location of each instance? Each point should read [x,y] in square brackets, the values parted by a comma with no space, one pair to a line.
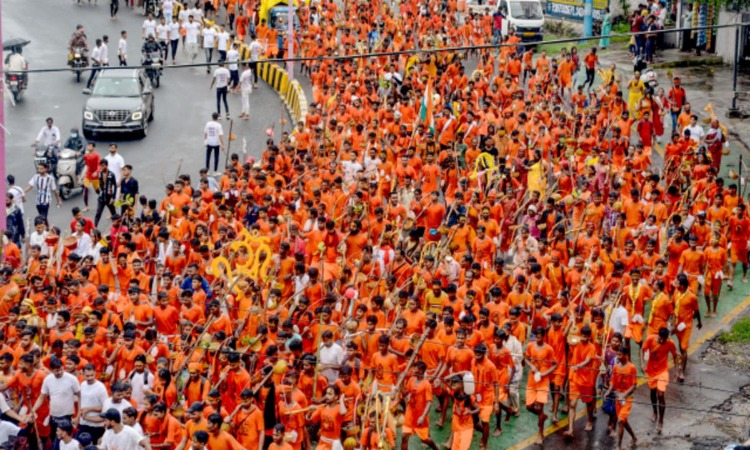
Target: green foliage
[740,332]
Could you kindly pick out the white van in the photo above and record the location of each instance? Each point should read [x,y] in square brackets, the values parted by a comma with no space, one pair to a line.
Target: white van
[525,16]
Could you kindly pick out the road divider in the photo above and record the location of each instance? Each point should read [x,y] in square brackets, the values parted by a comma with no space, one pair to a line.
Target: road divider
[291,92]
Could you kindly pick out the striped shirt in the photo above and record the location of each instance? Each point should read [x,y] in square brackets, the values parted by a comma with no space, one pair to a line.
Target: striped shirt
[45,186]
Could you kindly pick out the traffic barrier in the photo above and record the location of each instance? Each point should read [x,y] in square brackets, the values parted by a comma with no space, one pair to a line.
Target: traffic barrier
[291,93]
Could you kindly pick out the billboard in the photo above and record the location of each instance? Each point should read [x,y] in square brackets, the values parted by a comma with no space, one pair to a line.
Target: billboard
[574,9]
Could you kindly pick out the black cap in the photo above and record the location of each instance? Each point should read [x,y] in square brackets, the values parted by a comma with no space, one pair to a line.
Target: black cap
[195,407]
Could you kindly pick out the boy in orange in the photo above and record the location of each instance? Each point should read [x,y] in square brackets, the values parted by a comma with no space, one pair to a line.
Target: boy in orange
[540,358]
[247,422]
[418,397]
[486,393]
[331,418]
[685,311]
[464,407]
[654,359]
[278,439]
[624,376]
[582,376]
[716,258]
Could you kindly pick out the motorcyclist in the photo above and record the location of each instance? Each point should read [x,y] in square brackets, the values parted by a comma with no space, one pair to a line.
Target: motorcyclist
[15,62]
[78,40]
[74,141]
[150,46]
[49,136]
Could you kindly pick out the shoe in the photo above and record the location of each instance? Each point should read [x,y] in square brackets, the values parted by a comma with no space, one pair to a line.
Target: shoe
[228,116]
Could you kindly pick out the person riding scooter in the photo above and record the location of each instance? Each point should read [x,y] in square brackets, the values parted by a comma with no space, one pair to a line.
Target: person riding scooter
[15,62]
[78,40]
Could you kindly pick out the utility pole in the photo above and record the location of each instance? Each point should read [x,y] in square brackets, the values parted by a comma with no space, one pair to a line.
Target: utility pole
[3,185]
[290,39]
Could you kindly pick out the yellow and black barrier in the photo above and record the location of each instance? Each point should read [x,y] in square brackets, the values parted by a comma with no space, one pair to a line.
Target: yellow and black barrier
[291,93]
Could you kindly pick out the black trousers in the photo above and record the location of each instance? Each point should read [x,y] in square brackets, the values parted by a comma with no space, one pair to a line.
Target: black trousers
[254,68]
[96,433]
[114,6]
[101,204]
[43,210]
[215,150]
[221,95]
[93,74]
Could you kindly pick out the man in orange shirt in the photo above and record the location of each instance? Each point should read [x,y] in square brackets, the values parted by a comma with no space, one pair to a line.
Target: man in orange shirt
[418,397]
[582,376]
[247,422]
[686,310]
[486,391]
[540,358]
[623,384]
[654,359]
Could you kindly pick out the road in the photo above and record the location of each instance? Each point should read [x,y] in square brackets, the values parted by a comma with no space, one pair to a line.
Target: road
[183,102]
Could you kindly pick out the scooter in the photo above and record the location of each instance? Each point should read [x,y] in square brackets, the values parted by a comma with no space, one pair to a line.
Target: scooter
[78,61]
[648,75]
[16,83]
[46,154]
[152,61]
[70,165]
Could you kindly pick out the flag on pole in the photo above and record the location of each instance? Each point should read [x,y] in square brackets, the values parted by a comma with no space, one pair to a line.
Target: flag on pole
[425,111]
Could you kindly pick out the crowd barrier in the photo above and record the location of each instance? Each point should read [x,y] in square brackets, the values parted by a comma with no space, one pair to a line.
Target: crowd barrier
[291,93]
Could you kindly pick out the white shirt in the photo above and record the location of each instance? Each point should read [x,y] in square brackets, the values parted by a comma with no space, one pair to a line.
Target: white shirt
[192,31]
[48,135]
[140,382]
[122,47]
[7,431]
[122,406]
[96,55]
[221,40]
[93,396]
[61,393]
[126,439]
[168,7]
[209,37]
[149,28]
[332,355]
[212,132]
[232,57]
[174,31]
[246,80]
[116,163]
[696,132]
[351,168]
[162,32]
[18,195]
[197,14]
[221,75]
[72,445]
[618,319]
[255,48]
[83,245]
[104,54]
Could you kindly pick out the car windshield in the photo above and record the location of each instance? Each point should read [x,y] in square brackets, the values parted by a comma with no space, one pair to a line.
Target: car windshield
[116,87]
[526,10]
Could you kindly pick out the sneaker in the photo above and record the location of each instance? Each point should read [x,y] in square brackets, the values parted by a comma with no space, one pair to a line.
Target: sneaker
[228,116]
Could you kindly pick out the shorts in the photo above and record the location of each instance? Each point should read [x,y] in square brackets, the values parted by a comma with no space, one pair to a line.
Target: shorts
[462,439]
[423,432]
[581,392]
[537,392]
[558,378]
[87,183]
[623,410]
[659,382]
[683,337]
[485,412]
[738,253]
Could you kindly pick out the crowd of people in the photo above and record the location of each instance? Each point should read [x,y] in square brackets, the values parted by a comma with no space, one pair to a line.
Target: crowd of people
[428,244]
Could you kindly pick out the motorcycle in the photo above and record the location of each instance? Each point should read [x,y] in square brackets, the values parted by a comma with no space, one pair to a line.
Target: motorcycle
[648,75]
[16,83]
[70,167]
[151,7]
[152,61]
[78,61]
[46,154]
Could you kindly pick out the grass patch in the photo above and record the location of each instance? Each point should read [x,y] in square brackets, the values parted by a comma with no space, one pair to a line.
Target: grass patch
[555,49]
[740,332]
